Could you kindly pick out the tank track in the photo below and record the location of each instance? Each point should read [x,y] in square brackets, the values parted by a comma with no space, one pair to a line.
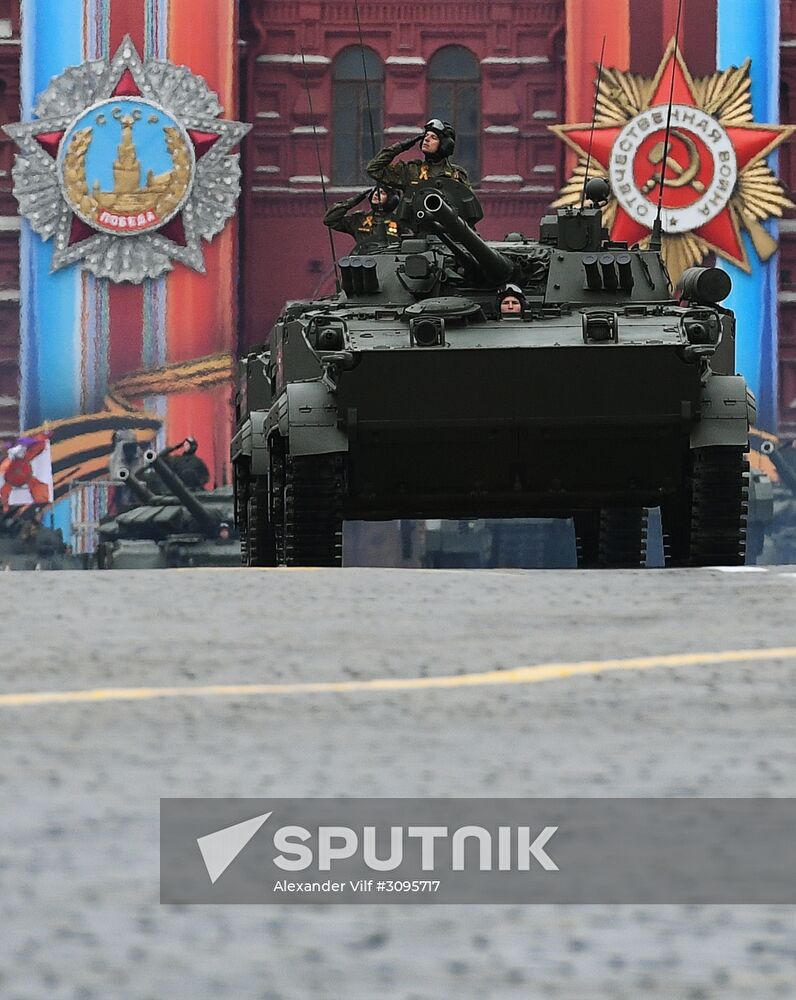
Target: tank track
[612,538]
[260,542]
[707,527]
[241,484]
[309,526]
[623,537]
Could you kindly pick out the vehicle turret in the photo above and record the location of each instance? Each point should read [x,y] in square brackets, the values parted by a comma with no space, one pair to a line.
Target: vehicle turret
[433,208]
[204,518]
[141,490]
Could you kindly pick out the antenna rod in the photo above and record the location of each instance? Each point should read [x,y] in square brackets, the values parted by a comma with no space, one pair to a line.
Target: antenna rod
[593,119]
[365,75]
[656,240]
[320,170]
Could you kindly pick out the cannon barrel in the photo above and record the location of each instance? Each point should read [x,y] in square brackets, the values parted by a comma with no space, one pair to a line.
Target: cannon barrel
[141,490]
[172,482]
[164,452]
[494,265]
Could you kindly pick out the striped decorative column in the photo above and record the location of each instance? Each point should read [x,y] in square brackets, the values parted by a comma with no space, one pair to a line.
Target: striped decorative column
[745,33]
[80,335]
[52,306]
[201,315]
[587,23]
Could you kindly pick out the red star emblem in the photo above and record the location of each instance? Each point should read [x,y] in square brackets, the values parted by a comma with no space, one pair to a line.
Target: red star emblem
[700,203]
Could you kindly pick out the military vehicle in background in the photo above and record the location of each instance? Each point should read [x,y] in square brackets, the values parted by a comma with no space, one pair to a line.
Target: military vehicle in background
[408,395]
[778,545]
[538,543]
[26,542]
[761,515]
[456,544]
[169,524]
[511,543]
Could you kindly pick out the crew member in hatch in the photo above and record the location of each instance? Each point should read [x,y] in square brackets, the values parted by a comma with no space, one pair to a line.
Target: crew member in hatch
[510,302]
[378,227]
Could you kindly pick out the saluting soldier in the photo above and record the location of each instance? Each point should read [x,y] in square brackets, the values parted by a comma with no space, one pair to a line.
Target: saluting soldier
[373,228]
[437,142]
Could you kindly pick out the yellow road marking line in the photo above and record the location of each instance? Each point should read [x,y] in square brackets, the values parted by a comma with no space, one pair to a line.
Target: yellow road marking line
[518,675]
[249,569]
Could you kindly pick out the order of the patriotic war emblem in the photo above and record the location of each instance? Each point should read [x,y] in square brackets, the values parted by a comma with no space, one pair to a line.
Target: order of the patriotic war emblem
[138,178]
[712,168]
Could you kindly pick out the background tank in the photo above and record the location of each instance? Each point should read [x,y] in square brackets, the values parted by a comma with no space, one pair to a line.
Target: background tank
[776,503]
[26,542]
[406,395]
[170,524]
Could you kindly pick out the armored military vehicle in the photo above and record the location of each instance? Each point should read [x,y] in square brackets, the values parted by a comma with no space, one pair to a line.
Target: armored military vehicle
[178,527]
[409,395]
[778,544]
[28,543]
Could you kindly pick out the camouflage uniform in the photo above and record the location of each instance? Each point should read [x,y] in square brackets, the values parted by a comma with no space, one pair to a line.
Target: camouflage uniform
[409,172]
[360,225]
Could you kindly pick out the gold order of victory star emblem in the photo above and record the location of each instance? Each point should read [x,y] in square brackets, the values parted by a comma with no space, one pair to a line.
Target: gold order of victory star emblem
[716,182]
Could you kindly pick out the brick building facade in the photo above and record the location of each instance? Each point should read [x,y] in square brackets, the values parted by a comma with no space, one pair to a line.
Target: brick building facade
[517,49]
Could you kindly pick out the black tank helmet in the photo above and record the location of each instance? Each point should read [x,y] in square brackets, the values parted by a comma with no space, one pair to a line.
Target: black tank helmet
[447,138]
[509,289]
[393,197]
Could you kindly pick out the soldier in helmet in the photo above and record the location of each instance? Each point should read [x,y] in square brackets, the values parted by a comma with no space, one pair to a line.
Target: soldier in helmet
[437,142]
[510,302]
[377,227]
[189,467]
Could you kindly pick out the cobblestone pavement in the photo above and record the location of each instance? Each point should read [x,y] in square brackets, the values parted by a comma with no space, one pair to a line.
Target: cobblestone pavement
[80,783]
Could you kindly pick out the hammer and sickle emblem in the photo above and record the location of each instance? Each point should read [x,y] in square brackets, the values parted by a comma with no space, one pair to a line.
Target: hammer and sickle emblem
[683,175]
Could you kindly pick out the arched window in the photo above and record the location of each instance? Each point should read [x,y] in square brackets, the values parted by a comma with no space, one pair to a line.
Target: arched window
[454,90]
[352,145]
